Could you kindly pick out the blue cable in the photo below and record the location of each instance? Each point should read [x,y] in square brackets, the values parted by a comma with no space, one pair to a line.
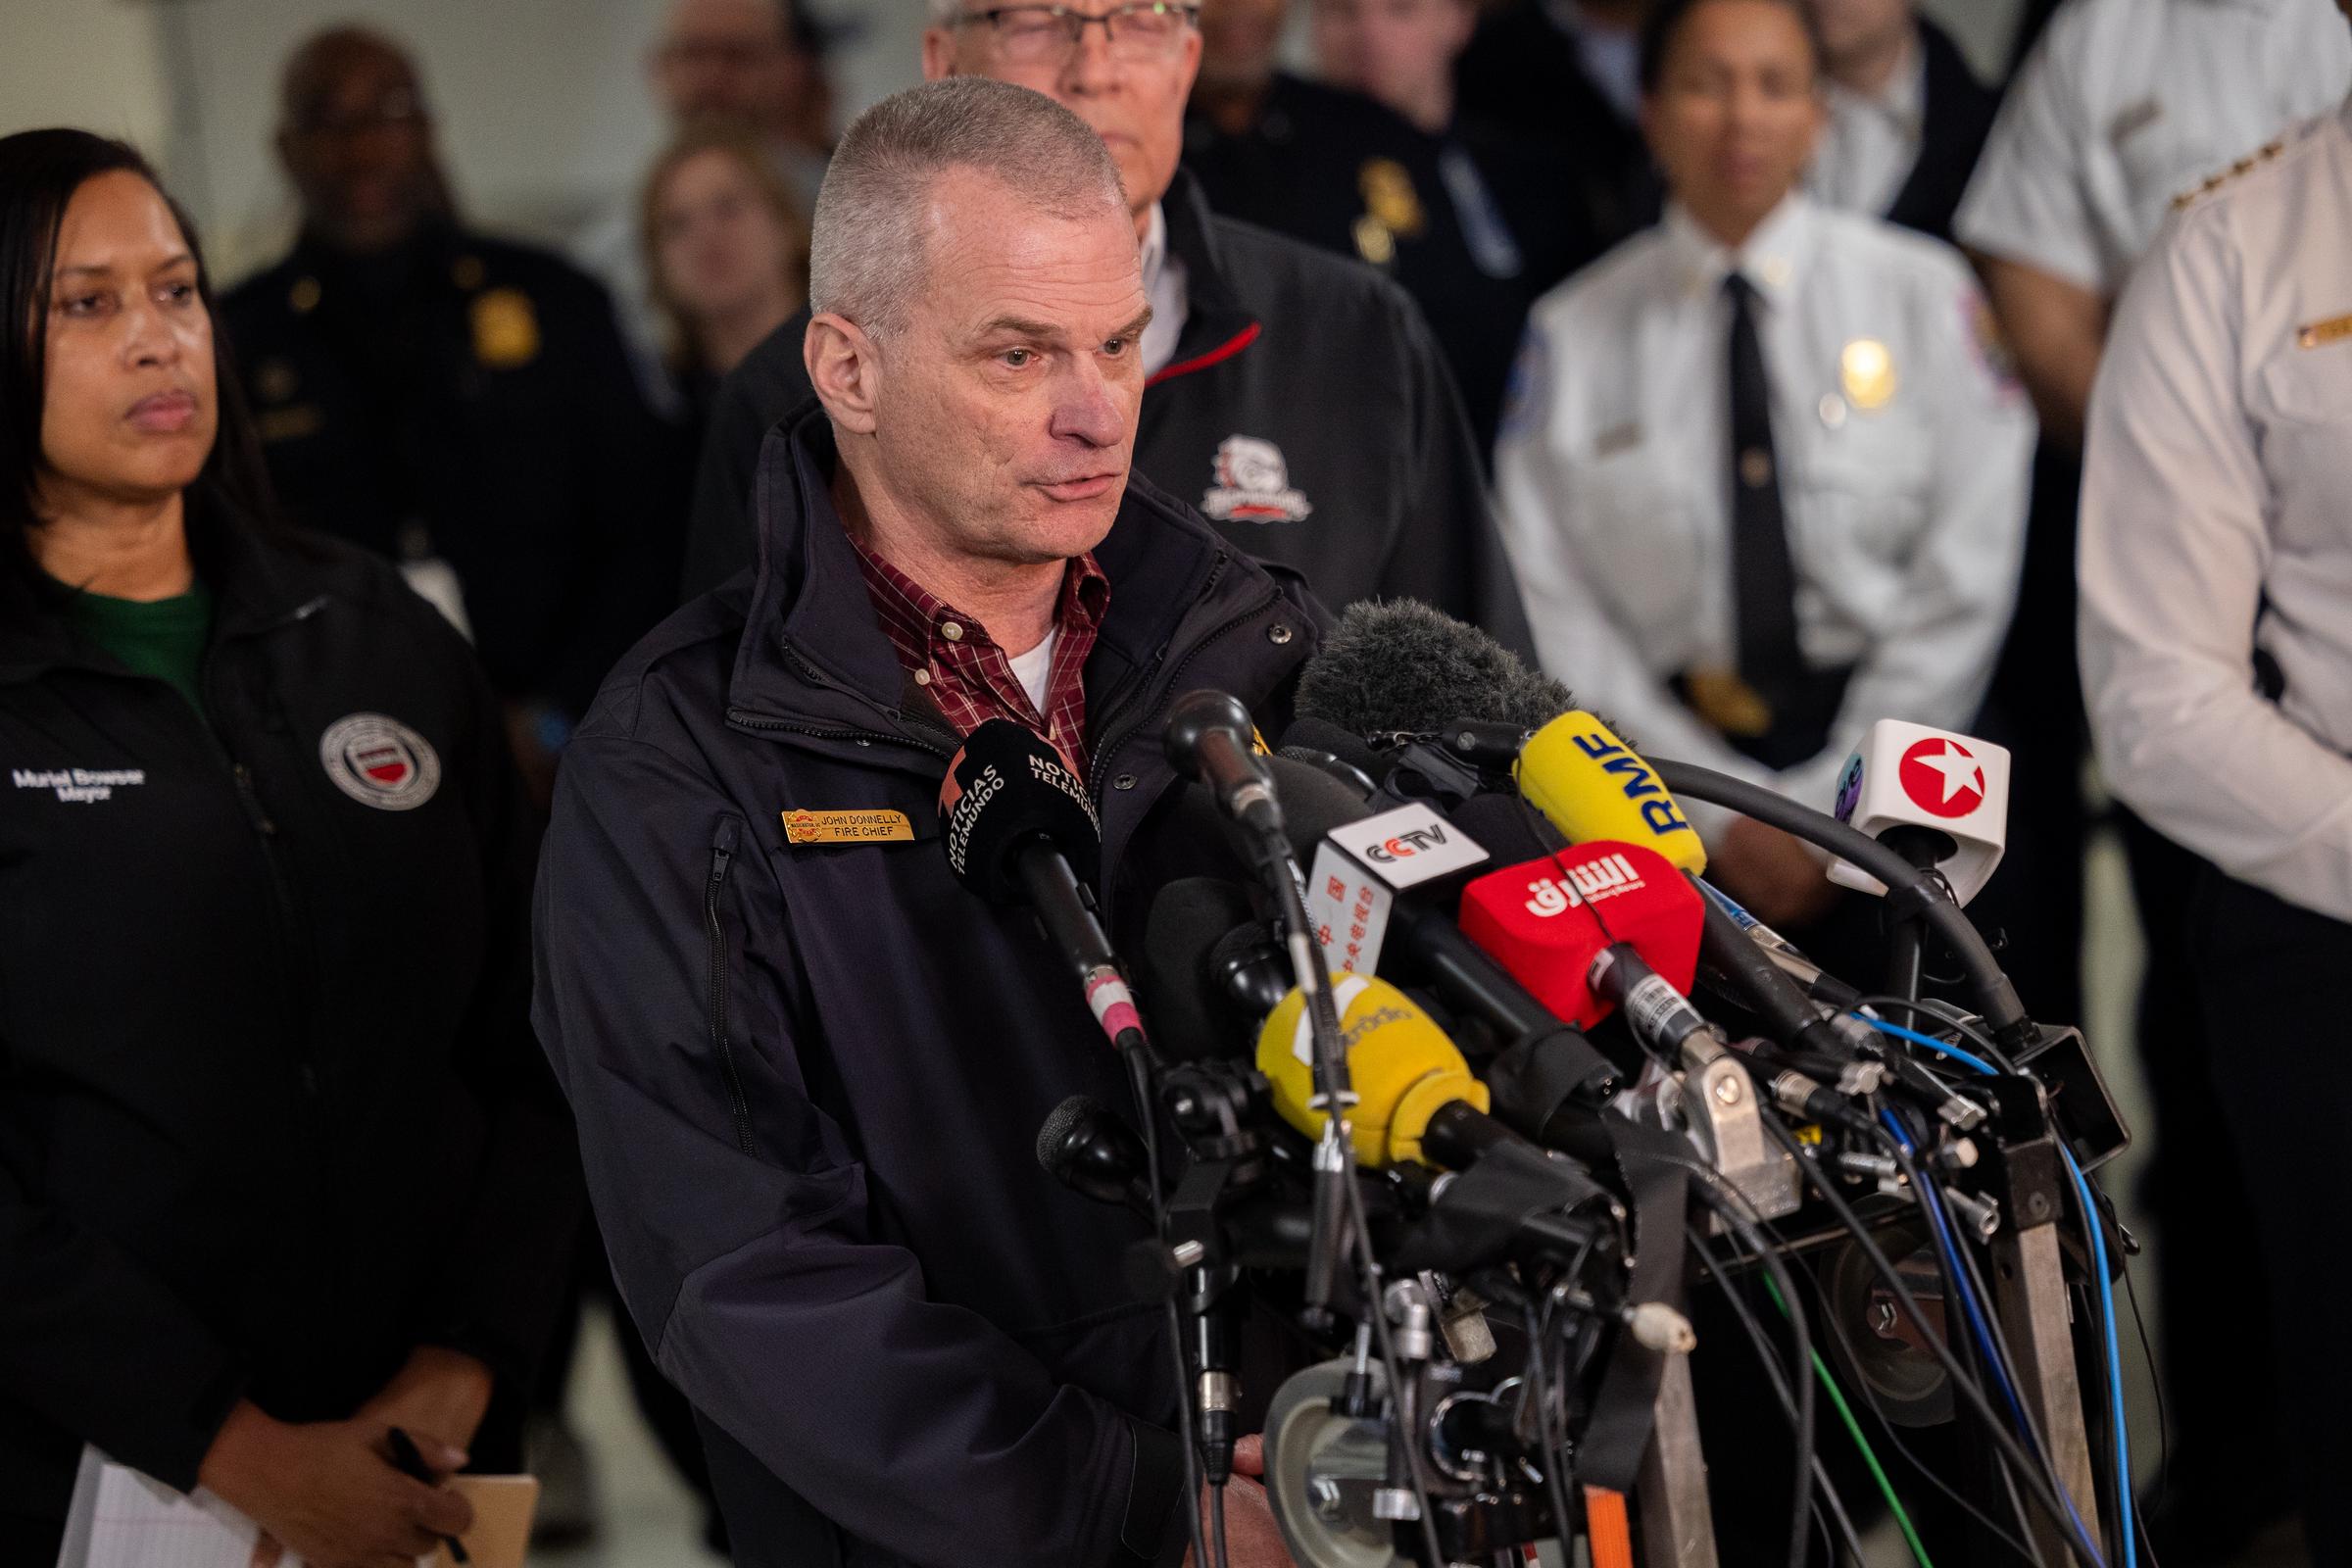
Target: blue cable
[2127,1503]
[1930,1042]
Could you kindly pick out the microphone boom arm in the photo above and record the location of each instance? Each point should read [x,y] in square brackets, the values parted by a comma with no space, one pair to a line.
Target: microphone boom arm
[1907,885]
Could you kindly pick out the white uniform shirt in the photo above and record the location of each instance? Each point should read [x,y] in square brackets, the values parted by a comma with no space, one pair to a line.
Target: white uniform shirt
[2123,105]
[2217,519]
[1870,143]
[1906,518]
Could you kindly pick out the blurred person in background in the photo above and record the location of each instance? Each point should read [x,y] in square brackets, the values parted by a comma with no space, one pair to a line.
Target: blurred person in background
[1297,399]
[460,404]
[464,407]
[1764,486]
[2122,107]
[279,1167]
[1908,116]
[757,67]
[2217,661]
[1378,161]
[1563,76]
[727,247]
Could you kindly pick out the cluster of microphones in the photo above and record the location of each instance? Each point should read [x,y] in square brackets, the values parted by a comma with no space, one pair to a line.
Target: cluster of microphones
[1445,1032]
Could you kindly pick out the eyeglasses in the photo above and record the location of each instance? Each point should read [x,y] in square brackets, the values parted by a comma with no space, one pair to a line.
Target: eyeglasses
[1030,35]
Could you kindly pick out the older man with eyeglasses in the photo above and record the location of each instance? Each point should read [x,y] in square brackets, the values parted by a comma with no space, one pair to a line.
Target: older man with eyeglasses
[1296,399]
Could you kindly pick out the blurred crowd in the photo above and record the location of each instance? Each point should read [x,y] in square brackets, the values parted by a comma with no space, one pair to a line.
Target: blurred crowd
[1734,359]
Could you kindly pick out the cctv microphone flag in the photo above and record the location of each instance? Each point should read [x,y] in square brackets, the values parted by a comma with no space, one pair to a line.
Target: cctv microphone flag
[1546,921]
[1948,792]
[1361,868]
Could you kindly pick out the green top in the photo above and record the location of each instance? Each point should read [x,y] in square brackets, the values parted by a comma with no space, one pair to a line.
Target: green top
[162,637]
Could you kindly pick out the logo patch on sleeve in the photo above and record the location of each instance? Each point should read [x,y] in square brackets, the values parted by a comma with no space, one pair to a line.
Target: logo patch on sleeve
[379,761]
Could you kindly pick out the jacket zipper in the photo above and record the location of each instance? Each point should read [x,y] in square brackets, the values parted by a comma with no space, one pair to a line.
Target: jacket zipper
[299,1000]
[738,1103]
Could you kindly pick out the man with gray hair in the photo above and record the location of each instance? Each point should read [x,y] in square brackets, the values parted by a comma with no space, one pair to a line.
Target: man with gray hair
[807,1064]
[1296,399]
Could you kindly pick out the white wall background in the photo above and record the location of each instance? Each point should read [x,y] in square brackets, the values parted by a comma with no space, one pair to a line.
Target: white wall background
[542,104]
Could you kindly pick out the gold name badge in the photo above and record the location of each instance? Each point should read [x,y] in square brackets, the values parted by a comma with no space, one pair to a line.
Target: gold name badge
[2318,334]
[506,329]
[1867,372]
[846,827]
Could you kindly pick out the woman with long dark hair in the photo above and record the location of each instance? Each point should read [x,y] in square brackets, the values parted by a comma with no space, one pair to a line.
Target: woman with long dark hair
[281,1168]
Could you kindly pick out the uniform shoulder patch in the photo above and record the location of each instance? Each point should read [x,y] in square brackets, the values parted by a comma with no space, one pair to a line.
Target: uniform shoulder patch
[2244,167]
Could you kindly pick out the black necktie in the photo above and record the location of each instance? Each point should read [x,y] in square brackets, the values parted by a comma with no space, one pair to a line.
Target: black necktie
[1763,577]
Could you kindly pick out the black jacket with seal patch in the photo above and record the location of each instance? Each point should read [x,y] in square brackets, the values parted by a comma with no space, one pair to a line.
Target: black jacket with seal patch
[1308,415]
[269,1112]
[808,1077]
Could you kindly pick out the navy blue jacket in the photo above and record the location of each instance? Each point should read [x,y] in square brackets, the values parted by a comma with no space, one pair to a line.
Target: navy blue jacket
[808,1078]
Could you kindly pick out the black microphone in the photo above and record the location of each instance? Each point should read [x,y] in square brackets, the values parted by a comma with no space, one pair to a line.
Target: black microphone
[1205,965]
[1019,831]
[1400,666]
[1088,1147]
[1208,738]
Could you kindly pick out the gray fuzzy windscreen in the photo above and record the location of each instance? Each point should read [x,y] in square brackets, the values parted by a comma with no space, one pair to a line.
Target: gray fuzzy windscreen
[1398,664]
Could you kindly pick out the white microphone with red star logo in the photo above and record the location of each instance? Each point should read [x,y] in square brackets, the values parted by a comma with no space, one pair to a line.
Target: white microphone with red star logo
[1941,798]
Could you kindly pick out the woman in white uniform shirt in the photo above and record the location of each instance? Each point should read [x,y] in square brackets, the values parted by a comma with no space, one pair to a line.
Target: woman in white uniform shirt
[1750,562]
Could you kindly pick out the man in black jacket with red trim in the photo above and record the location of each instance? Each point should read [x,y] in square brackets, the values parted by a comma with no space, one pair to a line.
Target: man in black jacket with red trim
[808,1066]
[1296,399]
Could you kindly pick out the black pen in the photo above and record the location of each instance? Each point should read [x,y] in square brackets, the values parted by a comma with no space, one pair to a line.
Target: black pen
[409,1462]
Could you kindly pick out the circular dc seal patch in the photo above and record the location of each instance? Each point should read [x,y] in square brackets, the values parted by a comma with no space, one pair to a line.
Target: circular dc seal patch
[379,761]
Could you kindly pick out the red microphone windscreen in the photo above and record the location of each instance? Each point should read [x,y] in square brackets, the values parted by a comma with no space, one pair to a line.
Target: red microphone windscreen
[1544,921]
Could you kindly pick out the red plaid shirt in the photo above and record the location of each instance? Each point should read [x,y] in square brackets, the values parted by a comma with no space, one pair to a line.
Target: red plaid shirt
[952,658]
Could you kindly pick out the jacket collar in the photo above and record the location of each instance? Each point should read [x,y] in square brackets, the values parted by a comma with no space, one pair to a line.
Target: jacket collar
[814,658]
[1219,325]
[260,581]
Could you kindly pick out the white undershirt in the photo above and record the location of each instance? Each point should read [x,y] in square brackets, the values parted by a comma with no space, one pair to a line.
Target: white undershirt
[1032,667]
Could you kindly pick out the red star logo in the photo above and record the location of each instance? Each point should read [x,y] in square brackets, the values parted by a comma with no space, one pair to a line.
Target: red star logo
[1941,777]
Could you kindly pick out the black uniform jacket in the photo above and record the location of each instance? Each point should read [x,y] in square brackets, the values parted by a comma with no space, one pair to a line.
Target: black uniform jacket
[1307,414]
[1523,74]
[469,398]
[269,1114]
[1345,174]
[808,1076]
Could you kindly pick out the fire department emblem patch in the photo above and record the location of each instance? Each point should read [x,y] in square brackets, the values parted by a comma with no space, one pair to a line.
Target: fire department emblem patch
[1252,484]
[379,761]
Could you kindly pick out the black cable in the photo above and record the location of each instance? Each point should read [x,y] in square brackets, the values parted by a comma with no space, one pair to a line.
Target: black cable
[1537,1336]
[1999,1347]
[2164,1436]
[1892,1432]
[1997,1429]
[2029,1553]
[1139,1079]
[1769,1358]
[1216,1514]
